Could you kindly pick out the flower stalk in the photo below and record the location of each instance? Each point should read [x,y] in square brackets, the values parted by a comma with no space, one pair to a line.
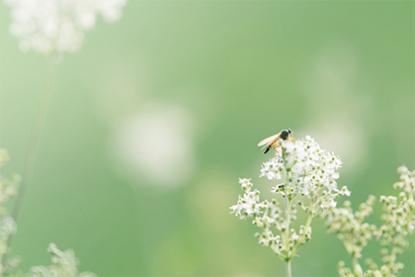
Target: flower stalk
[304,179]
[289,271]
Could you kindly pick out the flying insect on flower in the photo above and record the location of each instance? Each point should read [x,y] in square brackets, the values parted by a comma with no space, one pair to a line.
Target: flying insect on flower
[274,140]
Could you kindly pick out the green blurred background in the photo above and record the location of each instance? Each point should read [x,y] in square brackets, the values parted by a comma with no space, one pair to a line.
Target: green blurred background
[198,83]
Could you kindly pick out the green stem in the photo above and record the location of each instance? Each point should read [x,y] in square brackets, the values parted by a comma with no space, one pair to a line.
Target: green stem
[289,272]
[34,141]
[288,201]
[309,220]
[287,224]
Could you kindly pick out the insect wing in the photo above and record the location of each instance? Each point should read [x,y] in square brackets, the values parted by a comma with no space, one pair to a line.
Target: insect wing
[267,141]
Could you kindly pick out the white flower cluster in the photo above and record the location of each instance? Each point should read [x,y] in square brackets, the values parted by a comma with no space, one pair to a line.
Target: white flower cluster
[249,203]
[58,26]
[398,221]
[302,174]
[64,264]
[301,167]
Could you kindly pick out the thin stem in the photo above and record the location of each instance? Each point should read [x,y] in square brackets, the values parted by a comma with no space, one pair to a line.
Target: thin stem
[289,272]
[34,141]
[30,156]
[35,134]
[288,201]
[288,253]
[309,220]
[288,220]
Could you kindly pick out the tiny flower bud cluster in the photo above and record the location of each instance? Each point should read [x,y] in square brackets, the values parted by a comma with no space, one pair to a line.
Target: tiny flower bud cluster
[64,264]
[58,26]
[351,228]
[7,224]
[398,221]
[304,178]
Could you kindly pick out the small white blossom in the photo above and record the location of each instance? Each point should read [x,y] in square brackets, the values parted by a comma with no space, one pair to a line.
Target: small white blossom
[245,183]
[58,26]
[271,169]
[249,203]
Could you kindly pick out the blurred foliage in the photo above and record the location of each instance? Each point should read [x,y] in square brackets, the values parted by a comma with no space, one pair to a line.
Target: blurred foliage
[243,70]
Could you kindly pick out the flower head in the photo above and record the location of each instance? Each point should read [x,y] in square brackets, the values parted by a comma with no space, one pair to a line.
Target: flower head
[58,26]
[300,171]
[301,167]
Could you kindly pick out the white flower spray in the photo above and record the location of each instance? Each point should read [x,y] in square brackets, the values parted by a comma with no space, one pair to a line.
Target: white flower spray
[58,26]
[303,177]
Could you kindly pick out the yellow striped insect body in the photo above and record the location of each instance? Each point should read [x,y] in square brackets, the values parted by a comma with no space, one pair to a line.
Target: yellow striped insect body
[273,141]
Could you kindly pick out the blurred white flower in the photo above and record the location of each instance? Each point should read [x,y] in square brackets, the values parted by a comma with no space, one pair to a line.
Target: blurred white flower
[156,145]
[58,26]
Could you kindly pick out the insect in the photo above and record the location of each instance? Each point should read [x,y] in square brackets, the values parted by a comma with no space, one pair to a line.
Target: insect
[273,141]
